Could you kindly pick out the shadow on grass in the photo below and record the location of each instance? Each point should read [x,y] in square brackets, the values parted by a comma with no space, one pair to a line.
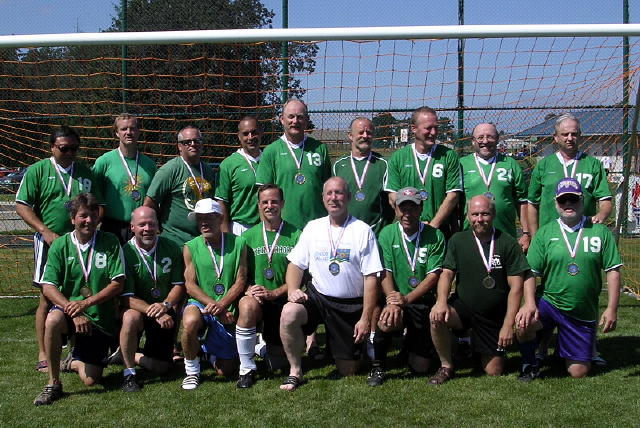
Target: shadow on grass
[29,312]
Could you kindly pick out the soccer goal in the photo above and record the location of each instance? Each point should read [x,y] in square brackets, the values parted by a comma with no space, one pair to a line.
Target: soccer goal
[518,77]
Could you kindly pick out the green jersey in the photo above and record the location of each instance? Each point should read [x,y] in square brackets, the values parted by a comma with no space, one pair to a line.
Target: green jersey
[258,254]
[176,192]
[544,179]
[64,270]
[237,188]
[506,184]
[164,263]
[120,194]
[463,257]
[302,187]
[397,258]
[43,189]
[442,175]
[573,285]
[208,280]
[369,201]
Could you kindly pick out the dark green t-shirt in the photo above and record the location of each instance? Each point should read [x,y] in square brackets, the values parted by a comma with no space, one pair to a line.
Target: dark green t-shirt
[464,258]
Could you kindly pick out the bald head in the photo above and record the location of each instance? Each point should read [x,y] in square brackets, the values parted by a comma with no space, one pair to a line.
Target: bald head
[481,211]
[485,140]
[336,197]
[144,225]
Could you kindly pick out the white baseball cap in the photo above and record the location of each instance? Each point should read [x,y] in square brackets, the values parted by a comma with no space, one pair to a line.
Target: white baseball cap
[205,206]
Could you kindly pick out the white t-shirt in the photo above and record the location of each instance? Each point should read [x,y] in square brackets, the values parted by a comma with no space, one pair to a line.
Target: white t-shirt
[357,255]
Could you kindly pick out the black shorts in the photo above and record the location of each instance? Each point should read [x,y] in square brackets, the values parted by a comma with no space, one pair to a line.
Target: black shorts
[339,317]
[40,251]
[90,348]
[120,228]
[159,341]
[415,318]
[484,331]
[271,310]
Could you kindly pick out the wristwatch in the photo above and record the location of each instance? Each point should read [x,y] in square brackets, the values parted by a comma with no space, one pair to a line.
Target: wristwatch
[167,304]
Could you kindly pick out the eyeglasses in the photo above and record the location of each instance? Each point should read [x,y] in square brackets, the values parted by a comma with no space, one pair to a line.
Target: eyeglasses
[573,199]
[66,149]
[191,142]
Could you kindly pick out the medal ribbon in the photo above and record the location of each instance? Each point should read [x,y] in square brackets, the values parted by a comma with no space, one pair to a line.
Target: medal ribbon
[574,250]
[86,269]
[487,180]
[423,174]
[153,274]
[293,155]
[132,178]
[217,267]
[334,248]
[564,165]
[410,260]
[275,240]
[193,176]
[66,187]
[485,261]
[360,180]
[246,157]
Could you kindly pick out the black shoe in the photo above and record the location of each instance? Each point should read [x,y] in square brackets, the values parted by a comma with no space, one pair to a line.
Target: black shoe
[116,358]
[246,380]
[50,394]
[130,384]
[529,372]
[376,377]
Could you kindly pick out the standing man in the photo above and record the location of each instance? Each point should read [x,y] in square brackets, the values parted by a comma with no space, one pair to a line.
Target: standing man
[124,175]
[83,276]
[269,243]
[178,185]
[570,254]
[216,276]
[490,268]
[487,172]
[236,192]
[568,161]
[365,172]
[42,201]
[341,254]
[298,164]
[412,254]
[431,168]
[154,287]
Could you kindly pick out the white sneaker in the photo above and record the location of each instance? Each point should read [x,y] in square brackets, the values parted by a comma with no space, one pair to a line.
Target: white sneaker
[191,382]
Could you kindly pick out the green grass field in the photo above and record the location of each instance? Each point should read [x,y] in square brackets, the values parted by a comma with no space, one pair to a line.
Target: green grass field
[610,397]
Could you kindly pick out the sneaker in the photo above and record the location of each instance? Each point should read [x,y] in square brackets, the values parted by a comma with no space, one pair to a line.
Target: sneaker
[246,380]
[599,361]
[444,374]
[50,394]
[131,384]
[529,373]
[376,377]
[116,358]
[191,382]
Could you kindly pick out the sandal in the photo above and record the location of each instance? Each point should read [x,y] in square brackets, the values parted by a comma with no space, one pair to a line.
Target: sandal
[294,381]
[444,374]
[65,365]
[42,366]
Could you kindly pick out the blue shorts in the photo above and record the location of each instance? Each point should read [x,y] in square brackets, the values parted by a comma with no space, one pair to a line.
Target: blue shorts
[575,337]
[218,339]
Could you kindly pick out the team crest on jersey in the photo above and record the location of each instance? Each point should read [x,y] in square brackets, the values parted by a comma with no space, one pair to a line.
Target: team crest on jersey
[496,263]
[191,190]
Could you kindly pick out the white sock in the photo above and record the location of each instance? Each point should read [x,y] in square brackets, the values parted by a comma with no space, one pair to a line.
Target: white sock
[192,367]
[129,371]
[246,343]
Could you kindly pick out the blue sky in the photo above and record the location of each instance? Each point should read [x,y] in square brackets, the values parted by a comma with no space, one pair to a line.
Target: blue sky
[381,77]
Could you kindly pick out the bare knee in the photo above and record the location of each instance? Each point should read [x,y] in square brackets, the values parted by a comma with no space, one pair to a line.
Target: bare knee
[347,367]
[131,320]
[250,312]
[578,370]
[493,366]
[293,314]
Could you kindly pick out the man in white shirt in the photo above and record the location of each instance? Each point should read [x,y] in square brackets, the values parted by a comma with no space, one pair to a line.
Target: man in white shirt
[341,255]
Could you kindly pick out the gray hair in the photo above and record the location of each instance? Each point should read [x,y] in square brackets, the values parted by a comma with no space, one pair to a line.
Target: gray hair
[180,137]
[563,118]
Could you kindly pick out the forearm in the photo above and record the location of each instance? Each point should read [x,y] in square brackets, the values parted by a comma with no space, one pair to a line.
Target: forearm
[613,289]
[111,291]
[605,207]
[29,216]
[148,202]
[198,294]
[529,290]
[135,303]
[444,286]
[225,226]
[445,210]
[532,211]
[370,296]
[523,213]
[176,295]
[388,285]
[280,291]
[293,278]
[54,295]
[513,304]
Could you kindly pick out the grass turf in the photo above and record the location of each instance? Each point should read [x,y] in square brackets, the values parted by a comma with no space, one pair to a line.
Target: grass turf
[609,397]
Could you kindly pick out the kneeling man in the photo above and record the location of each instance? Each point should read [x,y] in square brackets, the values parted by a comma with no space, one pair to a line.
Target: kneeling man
[490,269]
[154,286]
[342,256]
[83,275]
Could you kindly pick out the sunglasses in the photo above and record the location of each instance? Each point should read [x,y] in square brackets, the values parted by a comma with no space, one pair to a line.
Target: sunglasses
[191,142]
[67,149]
[573,199]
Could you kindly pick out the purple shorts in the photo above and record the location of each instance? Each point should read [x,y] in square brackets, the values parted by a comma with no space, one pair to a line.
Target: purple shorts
[575,337]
